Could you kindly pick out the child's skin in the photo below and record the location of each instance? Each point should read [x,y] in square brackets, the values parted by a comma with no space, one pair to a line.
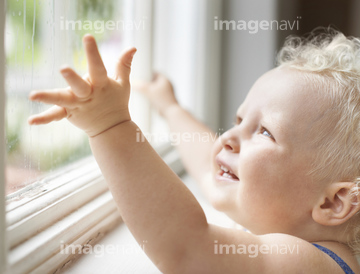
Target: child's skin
[268,150]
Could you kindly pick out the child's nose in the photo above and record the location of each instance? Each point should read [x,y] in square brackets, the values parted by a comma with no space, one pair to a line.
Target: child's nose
[230,141]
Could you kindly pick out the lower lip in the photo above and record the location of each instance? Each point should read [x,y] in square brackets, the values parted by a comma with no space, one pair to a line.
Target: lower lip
[221,178]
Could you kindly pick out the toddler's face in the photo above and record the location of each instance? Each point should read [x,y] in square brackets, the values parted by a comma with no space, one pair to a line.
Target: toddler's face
[260,166]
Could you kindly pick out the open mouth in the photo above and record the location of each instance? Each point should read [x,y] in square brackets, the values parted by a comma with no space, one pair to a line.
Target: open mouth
[226,173]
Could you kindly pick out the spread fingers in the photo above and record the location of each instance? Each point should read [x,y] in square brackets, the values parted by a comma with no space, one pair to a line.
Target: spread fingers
[79,86]
[61,97]
[55,113]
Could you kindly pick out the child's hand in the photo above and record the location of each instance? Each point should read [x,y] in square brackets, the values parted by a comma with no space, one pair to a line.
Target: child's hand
[160,92]
[93,103]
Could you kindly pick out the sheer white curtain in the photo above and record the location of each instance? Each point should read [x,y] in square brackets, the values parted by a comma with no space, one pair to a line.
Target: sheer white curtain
[187,49]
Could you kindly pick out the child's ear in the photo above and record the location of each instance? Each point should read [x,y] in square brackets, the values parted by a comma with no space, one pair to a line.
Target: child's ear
[337,205]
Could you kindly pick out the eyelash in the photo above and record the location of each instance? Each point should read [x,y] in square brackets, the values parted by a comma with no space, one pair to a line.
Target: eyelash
[238,120]
[263,129]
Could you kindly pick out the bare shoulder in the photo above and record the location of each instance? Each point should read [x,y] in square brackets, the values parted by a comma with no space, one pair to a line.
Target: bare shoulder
[232,251]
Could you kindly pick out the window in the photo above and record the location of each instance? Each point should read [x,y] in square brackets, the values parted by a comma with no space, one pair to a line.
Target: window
[46,181]
[3,245]
[67,200]
[41,36]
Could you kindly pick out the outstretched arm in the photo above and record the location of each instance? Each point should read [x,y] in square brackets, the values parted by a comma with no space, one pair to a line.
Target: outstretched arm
[196,140]
[152,200]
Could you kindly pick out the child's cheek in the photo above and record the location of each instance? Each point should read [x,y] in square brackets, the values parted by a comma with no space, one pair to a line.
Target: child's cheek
[257,164]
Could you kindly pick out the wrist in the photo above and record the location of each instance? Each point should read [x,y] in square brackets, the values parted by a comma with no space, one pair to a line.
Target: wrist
[107,123]
[171,110]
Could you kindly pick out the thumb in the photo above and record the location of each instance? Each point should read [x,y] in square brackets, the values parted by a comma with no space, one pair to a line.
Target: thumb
[123,66]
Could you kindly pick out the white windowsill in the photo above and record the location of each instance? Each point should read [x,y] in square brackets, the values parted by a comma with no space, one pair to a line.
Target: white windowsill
[72,206]
[130,258]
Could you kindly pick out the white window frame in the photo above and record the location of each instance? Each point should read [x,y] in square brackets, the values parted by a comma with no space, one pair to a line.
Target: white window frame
[3,242]
[74,204]
[209,63]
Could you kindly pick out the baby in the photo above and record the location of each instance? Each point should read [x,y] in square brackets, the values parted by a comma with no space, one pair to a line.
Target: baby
[288,170]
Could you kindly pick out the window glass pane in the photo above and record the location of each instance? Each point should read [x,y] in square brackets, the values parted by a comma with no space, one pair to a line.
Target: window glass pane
[41,36]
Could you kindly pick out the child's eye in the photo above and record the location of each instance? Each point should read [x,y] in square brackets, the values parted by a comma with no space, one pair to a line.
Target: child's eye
[265,132]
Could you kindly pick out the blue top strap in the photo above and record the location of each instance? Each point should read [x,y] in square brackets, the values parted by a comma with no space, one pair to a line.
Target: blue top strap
[336,258]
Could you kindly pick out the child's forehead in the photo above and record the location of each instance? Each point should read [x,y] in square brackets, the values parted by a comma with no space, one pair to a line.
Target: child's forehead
[285,85]
[287,98]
